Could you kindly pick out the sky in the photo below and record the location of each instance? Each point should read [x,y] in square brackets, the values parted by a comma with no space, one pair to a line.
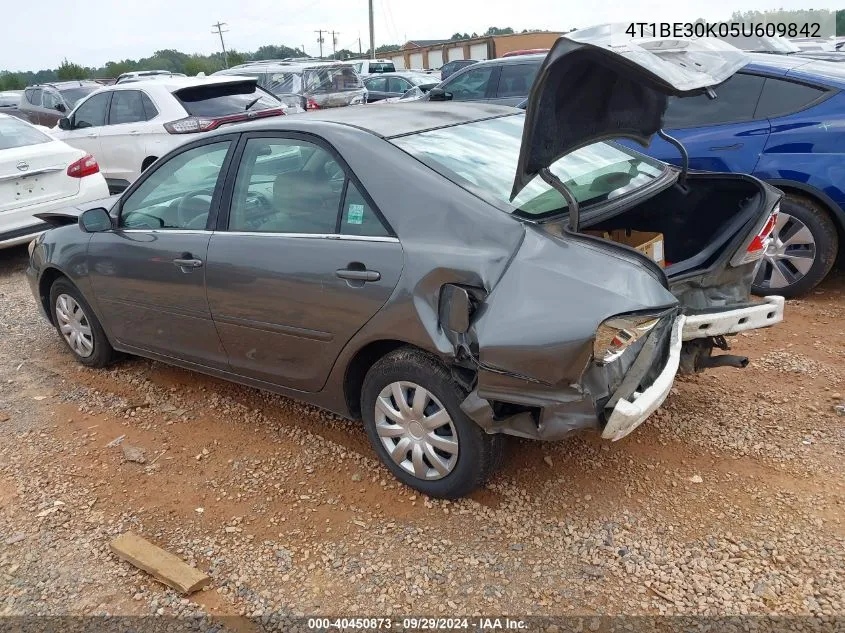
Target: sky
[41,35]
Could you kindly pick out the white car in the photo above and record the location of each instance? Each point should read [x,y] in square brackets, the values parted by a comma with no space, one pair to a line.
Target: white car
[39,174]
[127,126]
[366,67]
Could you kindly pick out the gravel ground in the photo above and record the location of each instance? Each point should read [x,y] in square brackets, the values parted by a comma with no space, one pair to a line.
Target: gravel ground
[728,501]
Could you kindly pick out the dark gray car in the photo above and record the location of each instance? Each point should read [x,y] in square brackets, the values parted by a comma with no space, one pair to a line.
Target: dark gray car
[45,104]
[425,267]
[504,81]
[392,85]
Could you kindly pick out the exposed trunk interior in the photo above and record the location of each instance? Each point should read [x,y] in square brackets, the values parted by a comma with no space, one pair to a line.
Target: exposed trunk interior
[697,219]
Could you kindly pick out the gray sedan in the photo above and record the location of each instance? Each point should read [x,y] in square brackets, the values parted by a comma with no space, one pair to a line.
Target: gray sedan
[444,271]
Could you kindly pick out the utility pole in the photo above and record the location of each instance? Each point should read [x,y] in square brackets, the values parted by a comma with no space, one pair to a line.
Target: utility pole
[372,34]
[219,26]
[320,41]
[359,45]
[334,43]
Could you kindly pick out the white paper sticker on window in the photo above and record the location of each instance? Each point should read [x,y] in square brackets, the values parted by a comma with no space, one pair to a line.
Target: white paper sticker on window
[355,215]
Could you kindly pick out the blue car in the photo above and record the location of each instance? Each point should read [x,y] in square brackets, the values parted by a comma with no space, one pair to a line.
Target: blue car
[782,119]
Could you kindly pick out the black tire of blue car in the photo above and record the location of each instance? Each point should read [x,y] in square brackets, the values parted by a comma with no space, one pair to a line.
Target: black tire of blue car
[820,224]
[101,351]
[478,454]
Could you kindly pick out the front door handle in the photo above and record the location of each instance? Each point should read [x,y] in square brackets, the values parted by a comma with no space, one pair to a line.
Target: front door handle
[92,135]
[726,148]
[358,275]
[187,264]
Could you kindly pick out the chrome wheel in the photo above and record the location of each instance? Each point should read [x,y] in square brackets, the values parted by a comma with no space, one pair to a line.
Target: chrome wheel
[74,325]
[789,256]
[416,430]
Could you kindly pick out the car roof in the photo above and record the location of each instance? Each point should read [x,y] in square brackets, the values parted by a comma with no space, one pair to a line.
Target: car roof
[388,120]
[80,83]
[400,73]
[280,66]
[797,67]
[516,59]
[175,82]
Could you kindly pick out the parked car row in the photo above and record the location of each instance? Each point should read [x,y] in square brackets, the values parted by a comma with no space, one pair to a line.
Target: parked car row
[446,272]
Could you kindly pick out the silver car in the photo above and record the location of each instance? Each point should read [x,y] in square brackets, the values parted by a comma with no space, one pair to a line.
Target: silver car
[306,85]
[439,270]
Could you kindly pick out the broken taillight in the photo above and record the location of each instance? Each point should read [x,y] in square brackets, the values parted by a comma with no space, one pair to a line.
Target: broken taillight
[312,105]
[755,248]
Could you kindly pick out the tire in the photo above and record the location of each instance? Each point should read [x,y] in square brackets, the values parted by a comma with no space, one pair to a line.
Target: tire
[787,270]
[470,454]
[68,307]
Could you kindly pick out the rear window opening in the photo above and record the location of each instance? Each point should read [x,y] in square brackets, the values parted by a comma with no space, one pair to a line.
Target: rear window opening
[224,99]
[382,67]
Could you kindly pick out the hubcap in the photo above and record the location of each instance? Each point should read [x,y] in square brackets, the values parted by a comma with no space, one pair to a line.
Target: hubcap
[416,430]
[74,325]
[789,256]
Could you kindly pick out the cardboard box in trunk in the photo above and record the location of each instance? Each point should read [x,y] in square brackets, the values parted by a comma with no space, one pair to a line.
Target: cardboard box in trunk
[648,243]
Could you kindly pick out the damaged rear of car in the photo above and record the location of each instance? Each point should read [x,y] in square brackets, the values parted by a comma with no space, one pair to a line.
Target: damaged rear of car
[583,331]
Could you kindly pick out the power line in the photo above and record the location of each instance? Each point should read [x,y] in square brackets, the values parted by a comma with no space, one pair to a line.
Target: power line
[219,26]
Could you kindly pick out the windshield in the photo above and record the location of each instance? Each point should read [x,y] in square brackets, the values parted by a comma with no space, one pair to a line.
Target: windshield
[331,79]
[72,95]
[482,156]
[421,80]
[16,133]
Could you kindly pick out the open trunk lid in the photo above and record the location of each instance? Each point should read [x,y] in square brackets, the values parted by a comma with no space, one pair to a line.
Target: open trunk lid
[622,89]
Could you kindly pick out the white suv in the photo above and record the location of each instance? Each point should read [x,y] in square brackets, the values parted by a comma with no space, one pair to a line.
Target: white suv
[127,126]
[372,66]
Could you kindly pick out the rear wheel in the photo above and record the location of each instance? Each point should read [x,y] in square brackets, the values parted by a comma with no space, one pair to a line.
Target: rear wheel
[412,414]
[78,326]
[803,249]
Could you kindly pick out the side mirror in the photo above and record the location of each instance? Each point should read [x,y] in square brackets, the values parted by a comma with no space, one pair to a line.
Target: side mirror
[438,94]
[454,308]
[95,220]
[64,123]
[61,107]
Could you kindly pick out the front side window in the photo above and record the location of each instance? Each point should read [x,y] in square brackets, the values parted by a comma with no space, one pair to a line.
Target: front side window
[482,157]
[92,113]
[377,84]
[51,100]
[735,101]
[470,85]
[294,186]
[178,194]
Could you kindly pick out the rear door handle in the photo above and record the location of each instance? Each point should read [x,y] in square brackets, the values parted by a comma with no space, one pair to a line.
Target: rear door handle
[187,265]
[358,275]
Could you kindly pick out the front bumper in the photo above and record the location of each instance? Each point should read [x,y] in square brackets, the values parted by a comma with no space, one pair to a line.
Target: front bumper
[629,413]
[764,314]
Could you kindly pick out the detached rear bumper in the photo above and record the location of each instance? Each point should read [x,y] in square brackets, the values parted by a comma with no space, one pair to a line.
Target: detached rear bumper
[764,314]
[629,413]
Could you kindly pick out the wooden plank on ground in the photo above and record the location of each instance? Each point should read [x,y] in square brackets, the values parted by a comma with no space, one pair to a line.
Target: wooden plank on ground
[160,564]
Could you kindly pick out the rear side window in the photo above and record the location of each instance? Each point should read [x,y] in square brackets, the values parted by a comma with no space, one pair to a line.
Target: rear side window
[51,99]
[126,107]
[784,97]
[516,79]
[92,113]
[736,100]
[397,84]
[216,100]
[16,133]
[150,111]
[358,217]
[470,85]
[33,96]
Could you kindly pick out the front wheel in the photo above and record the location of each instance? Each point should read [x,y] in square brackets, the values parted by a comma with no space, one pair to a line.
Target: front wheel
[412,414]
[803,249]
[78,325]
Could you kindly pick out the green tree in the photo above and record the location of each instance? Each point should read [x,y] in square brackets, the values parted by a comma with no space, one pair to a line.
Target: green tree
[68,70]
[494,30]
[236,58]
[840,23]
[10,81]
